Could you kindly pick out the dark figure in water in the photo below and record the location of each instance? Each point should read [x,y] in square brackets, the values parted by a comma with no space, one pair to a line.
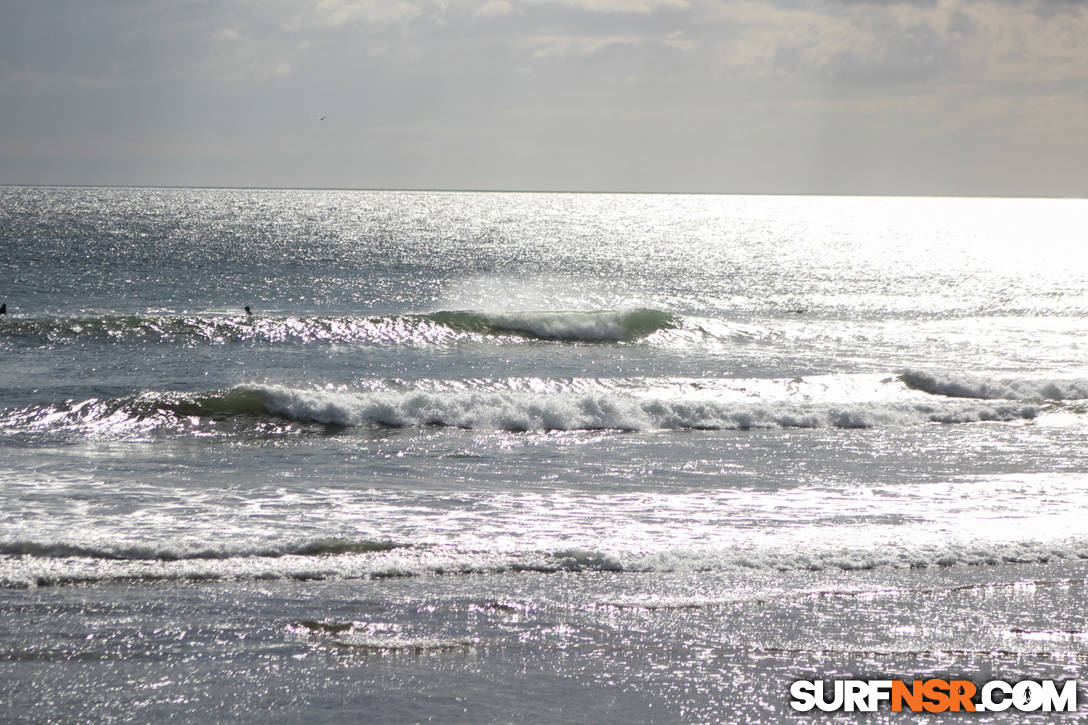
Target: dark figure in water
[248,312]
[4,309]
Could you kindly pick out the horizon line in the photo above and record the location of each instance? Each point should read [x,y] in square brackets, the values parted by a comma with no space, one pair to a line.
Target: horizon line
[453,190]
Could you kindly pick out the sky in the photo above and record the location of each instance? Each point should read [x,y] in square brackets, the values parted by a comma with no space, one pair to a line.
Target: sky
[932,97]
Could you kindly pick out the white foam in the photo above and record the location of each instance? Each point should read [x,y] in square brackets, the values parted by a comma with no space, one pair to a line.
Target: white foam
[971,386]
[19,572]
[521,411]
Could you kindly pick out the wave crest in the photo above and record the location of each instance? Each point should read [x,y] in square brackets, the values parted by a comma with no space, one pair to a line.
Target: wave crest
[982,388]
[597,326]
[594,411]
[587,408]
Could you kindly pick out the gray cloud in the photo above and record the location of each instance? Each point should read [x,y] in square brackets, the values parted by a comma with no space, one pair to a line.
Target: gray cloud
[710,95]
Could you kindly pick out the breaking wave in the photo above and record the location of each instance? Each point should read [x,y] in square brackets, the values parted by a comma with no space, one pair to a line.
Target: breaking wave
[359,562]
[601,326]
[590,411]
[969,386]
[517,410]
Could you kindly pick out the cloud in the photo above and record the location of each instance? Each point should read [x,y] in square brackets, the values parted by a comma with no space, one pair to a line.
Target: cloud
[494,9]
[1015,42]
[682,72]
[334,13]
[871,43]
[621,6]
[566,46]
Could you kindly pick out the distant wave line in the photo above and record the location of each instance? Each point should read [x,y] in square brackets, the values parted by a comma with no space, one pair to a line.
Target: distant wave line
[595,326]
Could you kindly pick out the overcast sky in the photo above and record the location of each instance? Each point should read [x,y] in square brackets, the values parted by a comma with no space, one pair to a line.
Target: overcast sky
[974,97]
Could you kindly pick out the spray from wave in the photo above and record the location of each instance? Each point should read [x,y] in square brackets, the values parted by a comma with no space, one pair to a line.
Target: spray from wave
[599,326]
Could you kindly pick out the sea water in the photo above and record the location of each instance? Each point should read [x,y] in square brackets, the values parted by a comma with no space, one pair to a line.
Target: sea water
[482,457]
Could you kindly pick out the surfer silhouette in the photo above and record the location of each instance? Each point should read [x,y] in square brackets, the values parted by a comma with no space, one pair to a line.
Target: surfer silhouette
[4,309]
[249,312]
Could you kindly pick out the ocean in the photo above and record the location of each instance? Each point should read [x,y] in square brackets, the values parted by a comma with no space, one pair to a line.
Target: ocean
[497,457]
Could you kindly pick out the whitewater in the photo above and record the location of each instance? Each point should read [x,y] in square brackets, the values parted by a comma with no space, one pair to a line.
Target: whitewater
[480,457]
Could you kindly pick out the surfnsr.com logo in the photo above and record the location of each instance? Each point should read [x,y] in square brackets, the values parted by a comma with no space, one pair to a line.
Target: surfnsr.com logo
[934,695]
